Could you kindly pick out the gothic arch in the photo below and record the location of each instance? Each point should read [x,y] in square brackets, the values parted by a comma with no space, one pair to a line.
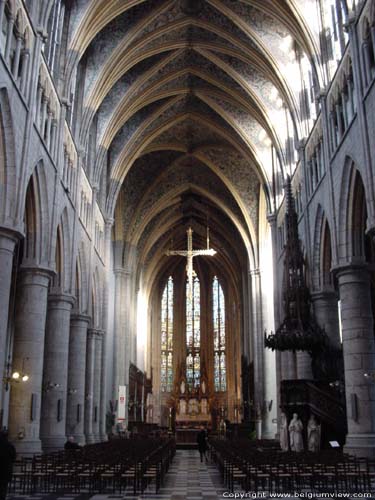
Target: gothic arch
[322,256]
[8,171]
[81,282]
[62,280]
[97,300]
[36,219]
[352,214]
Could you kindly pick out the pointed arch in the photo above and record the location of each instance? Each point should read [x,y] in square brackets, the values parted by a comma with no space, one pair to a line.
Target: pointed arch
[322,256]
[97,300]
[36,220]
[353,214]
[63,263]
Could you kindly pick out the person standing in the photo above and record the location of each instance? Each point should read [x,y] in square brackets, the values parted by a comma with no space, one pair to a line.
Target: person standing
[7,457]
[202,444]
[313,435]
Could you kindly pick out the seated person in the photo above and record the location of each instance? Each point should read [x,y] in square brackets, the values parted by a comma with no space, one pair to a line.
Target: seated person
[71,444]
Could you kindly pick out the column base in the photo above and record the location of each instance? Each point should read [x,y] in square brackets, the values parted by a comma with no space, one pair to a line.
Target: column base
[360,445]
[28,448]
[90,439]
[54,443]
[103,437]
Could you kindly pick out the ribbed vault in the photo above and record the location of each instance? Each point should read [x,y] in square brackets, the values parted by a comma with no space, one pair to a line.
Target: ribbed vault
[191,100]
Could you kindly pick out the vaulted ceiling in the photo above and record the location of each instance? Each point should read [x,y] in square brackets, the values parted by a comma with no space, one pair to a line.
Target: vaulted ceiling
[194,104]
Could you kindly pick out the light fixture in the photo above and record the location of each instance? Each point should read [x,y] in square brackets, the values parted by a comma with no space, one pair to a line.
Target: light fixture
[16,376]
[72,391]
[50,386]
[370,375]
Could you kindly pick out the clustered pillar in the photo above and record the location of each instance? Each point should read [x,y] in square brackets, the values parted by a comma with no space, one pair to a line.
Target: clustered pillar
[76,377]
[56,350]
[359,358]
[30,322]
[62,358]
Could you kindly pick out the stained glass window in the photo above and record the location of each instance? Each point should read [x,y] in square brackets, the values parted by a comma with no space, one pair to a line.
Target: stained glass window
[218,314]
[166,377]
[193,334]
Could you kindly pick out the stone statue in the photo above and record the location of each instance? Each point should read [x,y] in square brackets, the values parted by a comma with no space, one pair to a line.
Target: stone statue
[203,387]
[182,407]
[284,443]
[182,387]
[313,435]
[295,434]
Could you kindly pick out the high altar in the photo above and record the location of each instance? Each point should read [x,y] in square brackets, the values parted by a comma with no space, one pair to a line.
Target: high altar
[192,410]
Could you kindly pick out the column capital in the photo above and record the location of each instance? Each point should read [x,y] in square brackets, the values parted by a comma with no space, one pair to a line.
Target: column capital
[95,332]
[35,270]
[80,317]
[349,268]
[255,272]
[121,271]
[323,294]
[10,233]
[57,299]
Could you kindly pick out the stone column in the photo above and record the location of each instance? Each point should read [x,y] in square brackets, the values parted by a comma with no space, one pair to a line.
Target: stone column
[326,314]
[97,384]
[257,336]
[89,386]
[2,5]
[25,70]
[120,375]
[16,60]
[359,358]
[76,377]
[30,322]
[304,370]
[8,240]
[8,43]
[55,373]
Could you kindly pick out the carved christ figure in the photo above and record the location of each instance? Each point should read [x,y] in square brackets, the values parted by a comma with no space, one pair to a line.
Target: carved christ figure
[190,254]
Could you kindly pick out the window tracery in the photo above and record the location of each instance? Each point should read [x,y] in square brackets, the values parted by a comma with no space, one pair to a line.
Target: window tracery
[166,376]
[193,334]
[220,381]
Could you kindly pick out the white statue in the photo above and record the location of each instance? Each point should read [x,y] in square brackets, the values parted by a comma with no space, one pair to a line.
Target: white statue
[284,443]
[313,435]
[203,387]
[182,407]
[295,434]
[182,387]
[204,406]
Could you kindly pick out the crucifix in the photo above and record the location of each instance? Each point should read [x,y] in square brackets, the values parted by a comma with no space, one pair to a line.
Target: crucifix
[190,254]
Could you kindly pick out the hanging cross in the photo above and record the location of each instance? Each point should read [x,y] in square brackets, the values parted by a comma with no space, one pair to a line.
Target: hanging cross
[190,254]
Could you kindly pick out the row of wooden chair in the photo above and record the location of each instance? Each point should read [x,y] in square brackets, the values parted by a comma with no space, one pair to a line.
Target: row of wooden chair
[105,467]
[246,467]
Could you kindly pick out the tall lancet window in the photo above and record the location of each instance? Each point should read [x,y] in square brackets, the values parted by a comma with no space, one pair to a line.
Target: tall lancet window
[218,314]
[167,337]
[193,334]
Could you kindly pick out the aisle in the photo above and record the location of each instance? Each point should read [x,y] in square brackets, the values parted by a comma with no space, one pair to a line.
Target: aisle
[189,479]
